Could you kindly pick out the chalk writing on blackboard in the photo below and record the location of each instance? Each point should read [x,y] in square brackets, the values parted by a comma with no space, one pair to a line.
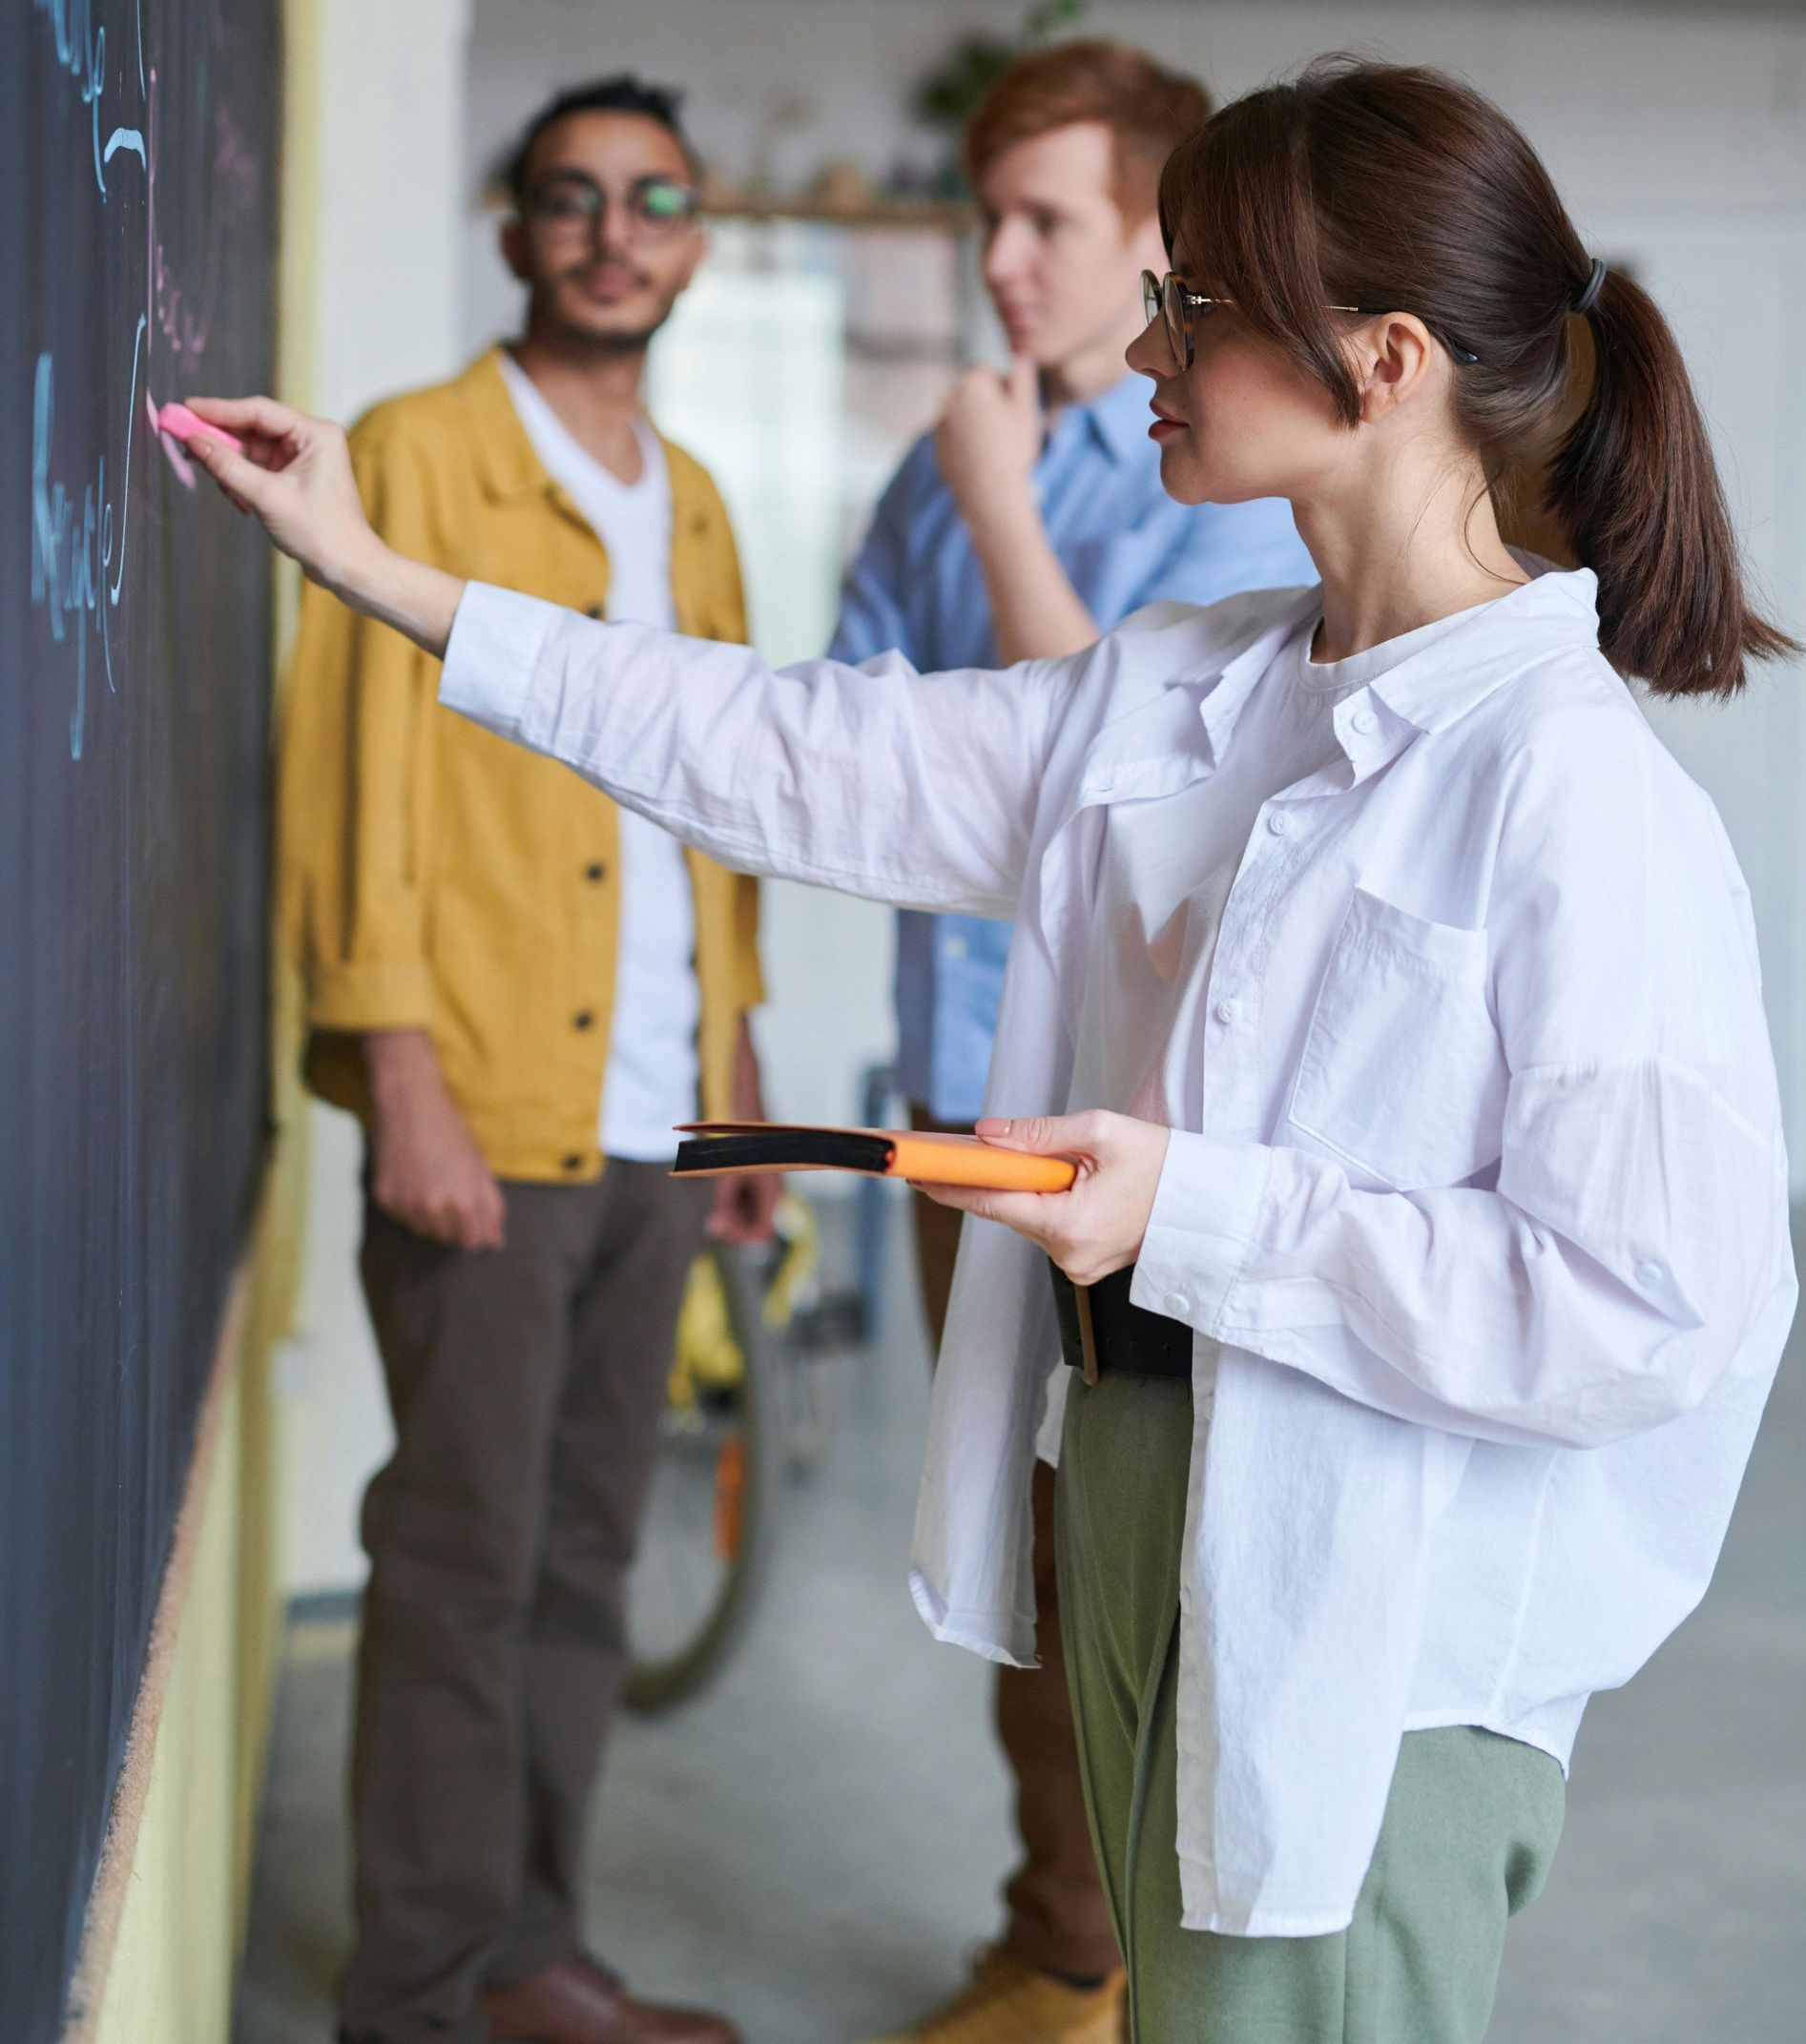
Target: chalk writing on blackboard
[81,50]
[81,506]
[73,551]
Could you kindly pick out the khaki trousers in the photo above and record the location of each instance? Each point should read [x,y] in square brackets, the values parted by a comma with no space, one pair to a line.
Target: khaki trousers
[525,1385]
[1058,1918]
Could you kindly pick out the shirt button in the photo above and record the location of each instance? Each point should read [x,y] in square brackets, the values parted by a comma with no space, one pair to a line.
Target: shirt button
[1278,824]
[1178,1305]
[1650,1275]
[956,948]
[582,1018]
[595,870]
[1364,721]
[1226,1011]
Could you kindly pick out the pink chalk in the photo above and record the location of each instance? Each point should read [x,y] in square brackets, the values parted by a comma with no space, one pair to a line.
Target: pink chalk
[173,453]
[180,423]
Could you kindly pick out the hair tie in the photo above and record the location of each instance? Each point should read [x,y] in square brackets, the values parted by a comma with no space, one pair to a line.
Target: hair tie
[1584,304]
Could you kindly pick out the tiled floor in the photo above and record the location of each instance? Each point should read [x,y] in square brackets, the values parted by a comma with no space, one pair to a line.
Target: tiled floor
[812,1844]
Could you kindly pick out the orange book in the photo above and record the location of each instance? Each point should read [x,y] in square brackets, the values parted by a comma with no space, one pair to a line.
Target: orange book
[927,1158]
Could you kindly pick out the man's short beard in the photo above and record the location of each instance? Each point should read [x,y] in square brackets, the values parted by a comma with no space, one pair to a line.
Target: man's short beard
[629,342]
[622,343]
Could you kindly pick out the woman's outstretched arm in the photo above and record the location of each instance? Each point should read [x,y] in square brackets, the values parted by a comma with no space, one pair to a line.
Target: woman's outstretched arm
[875,780]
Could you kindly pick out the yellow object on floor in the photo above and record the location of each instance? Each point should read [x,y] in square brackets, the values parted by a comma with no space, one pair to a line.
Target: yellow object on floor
[708,1357]
[1007,2002]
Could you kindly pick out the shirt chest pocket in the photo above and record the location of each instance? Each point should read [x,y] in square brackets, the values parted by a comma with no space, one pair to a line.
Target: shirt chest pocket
[1402,1077]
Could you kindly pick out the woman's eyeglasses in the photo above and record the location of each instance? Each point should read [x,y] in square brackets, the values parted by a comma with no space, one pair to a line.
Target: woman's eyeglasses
[568,205]
[1172,300]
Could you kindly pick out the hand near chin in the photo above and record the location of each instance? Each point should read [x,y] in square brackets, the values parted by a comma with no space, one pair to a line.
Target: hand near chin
[988,438]
[1096,1227]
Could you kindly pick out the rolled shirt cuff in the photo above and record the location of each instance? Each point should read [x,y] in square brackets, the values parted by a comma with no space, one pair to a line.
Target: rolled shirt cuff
[493,655]
[364,995]
[1200,1228]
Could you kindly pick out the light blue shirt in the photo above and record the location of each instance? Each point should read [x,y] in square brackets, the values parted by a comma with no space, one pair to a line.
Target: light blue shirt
[916,587]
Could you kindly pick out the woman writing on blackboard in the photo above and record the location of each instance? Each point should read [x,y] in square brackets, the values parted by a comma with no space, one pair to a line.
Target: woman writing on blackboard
[1398,996]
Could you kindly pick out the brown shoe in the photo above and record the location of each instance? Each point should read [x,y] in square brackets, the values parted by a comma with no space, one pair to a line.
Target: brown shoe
[580,2002]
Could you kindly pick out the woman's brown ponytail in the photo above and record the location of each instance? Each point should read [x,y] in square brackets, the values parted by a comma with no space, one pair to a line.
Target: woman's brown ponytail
[1398,188]
[1636,487]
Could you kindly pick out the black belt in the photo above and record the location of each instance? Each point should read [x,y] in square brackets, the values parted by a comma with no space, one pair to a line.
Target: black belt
[1100,1330]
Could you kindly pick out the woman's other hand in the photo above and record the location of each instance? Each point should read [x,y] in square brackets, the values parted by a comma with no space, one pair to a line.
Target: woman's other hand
[1097,1225]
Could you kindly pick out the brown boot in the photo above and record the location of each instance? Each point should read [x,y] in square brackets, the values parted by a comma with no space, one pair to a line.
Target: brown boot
[580,2002]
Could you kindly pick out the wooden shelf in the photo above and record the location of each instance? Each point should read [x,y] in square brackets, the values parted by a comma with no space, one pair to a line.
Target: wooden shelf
[953,216]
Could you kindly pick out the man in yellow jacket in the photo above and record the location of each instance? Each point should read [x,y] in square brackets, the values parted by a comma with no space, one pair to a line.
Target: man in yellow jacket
[519,989]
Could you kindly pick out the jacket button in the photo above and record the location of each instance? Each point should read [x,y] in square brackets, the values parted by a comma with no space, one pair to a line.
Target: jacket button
[574,1163]
[595,870]
[582,1018]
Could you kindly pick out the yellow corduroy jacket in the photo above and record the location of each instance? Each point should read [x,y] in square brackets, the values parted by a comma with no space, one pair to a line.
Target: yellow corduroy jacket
[431,876]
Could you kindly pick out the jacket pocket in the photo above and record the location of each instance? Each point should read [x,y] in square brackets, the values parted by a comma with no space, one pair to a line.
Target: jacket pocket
[1403,1078]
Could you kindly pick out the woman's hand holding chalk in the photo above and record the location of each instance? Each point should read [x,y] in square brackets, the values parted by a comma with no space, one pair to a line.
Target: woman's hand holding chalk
[180,423]
[295,473]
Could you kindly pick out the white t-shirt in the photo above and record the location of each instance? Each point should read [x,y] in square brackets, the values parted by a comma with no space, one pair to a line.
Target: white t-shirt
[649,1083]
[1167,866]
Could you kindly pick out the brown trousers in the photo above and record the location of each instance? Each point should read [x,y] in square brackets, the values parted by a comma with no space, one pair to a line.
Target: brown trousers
[1058,1918]
[525,1385]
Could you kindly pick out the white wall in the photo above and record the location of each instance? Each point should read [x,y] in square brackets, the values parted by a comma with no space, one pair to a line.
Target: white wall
[768,414]
[385,284]
[1608,93]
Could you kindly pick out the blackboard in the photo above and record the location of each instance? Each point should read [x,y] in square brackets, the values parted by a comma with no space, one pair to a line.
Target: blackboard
[137,174]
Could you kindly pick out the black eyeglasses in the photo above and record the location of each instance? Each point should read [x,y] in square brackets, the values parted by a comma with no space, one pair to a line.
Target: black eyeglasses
[566,205]
[1172,298]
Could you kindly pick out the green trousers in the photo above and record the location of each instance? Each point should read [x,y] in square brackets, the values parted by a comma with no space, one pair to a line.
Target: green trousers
[1470,1826]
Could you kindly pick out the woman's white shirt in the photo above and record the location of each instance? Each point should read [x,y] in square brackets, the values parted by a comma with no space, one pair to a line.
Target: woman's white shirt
[1480,1219]
[1167,868]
